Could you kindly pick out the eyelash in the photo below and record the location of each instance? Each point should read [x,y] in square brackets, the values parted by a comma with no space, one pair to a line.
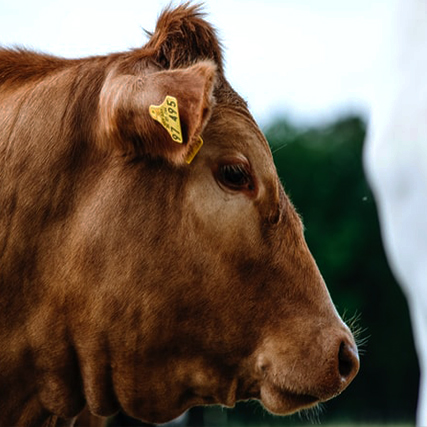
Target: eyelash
[235,177]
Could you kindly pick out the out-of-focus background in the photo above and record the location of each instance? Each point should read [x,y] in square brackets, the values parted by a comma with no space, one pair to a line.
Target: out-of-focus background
[308,71]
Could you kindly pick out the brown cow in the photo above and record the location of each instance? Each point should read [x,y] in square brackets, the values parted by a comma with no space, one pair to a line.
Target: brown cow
[133,280]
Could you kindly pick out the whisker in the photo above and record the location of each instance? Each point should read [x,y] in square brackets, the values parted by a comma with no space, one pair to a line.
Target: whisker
[359,333]
[312,414]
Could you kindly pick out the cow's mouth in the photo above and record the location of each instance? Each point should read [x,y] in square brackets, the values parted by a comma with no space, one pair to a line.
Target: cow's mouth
[282,401]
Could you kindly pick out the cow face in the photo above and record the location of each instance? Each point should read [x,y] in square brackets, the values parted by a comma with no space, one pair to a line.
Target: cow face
[271,286]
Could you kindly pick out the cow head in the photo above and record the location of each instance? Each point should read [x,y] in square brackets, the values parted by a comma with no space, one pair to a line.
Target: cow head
[225,299]
[182,284]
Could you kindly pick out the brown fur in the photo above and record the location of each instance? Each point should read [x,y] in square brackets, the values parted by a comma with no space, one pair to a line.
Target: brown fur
[132,281]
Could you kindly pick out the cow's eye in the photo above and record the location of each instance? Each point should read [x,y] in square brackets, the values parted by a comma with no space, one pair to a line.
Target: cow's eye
[235,176]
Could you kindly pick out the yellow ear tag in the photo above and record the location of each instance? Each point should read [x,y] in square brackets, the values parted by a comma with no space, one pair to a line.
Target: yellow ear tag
[194,150]
[167,114]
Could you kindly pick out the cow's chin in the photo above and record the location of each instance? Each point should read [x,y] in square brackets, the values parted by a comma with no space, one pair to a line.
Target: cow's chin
[284,402]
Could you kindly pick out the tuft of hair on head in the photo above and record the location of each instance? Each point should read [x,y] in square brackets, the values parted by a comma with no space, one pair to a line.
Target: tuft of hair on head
[183,37]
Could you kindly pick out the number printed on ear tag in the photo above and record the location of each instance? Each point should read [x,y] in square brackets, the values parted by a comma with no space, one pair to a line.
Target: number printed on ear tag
[167,114]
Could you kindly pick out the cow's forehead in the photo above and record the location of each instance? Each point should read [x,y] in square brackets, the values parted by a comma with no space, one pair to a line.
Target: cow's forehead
[232,106]
[233,127]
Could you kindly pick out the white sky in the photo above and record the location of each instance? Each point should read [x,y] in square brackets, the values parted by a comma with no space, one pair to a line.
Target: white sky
[311,59]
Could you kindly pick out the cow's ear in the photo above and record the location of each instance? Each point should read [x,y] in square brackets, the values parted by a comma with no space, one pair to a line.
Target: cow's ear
[182,37]
[160,114]
[178,104]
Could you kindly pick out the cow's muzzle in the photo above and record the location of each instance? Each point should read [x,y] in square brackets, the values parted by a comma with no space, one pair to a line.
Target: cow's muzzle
[297,380]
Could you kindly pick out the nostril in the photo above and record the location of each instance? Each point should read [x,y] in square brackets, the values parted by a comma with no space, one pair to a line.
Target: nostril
[348,361]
